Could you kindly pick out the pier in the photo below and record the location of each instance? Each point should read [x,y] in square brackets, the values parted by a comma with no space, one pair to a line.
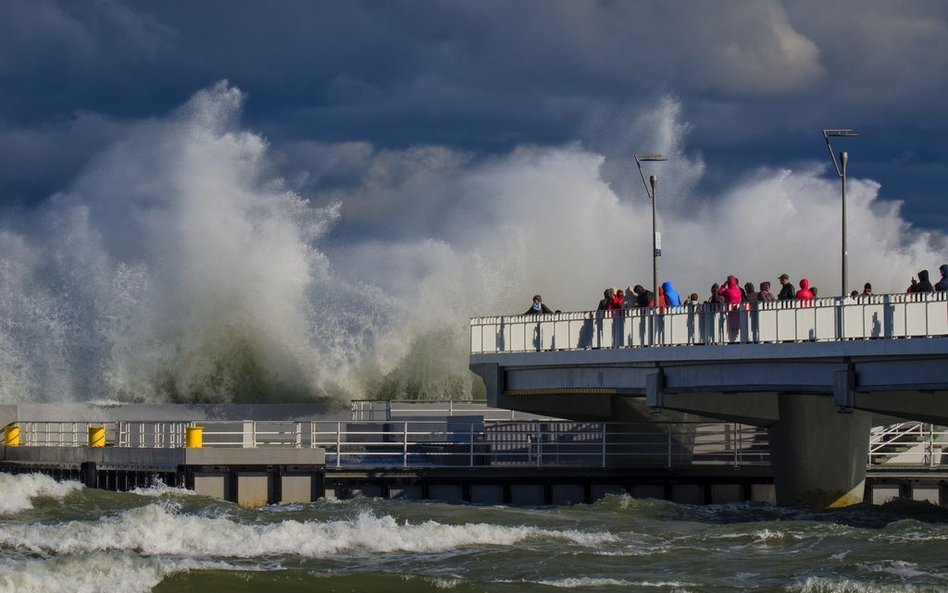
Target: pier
[446,451]
[817,375]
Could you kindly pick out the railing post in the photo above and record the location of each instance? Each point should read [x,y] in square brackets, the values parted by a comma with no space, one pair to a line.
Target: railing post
[739,445]
[470,428]
[338,443]
[931,442]
[668,428]
[405,444]
[603,424]
[539,443]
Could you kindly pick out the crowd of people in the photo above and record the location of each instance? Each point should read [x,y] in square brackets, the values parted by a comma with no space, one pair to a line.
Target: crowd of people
[732,292]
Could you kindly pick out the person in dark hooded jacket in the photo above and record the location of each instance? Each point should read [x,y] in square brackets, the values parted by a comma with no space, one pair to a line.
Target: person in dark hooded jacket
[943,283]
[923,284]
[644,298]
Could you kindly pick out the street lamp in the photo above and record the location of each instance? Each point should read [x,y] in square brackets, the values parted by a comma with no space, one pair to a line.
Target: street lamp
[650,190]
[841,173]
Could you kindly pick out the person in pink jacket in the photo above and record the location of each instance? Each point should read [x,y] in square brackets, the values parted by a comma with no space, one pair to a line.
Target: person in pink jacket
[804,294]
[730,292]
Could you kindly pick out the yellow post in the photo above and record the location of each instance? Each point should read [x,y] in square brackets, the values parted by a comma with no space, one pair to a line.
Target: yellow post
[11,435]
[96,436]
[194,437]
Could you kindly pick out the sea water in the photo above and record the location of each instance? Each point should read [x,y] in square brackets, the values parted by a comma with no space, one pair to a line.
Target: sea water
[64,537]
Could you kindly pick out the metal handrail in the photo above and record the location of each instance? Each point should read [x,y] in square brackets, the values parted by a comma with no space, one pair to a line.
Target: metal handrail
[829,319]
[543,443]
[907,444]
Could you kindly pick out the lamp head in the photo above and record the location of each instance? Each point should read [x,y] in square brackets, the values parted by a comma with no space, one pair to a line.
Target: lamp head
[649,156]
[839,132]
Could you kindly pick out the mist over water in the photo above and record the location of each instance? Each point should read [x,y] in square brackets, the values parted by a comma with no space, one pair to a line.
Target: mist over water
[181,266]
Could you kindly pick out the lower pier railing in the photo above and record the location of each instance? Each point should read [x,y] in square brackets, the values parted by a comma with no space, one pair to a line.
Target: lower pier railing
[459,442]
[447,442]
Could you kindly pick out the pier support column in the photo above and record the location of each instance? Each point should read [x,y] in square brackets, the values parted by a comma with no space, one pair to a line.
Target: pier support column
[818,454]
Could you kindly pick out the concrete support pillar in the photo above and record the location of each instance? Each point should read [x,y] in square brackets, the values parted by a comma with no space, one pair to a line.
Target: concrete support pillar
[818,454]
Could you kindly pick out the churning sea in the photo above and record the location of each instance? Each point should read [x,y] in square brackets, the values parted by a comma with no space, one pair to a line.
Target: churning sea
[64,537]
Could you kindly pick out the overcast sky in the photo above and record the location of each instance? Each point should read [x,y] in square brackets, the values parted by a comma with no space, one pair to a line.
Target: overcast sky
[755,81]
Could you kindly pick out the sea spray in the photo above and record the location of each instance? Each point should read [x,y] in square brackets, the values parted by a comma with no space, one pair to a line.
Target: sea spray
[181,266]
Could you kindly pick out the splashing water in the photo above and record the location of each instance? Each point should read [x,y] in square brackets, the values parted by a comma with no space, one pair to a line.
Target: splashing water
[180,266]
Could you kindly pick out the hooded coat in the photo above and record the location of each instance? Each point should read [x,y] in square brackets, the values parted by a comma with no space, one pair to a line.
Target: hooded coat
[765,296]
[924,284]
[805,294]
[672,298]
[732,292]
[943,283]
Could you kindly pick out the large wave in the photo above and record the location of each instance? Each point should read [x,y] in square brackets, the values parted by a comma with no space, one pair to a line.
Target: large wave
[181,265]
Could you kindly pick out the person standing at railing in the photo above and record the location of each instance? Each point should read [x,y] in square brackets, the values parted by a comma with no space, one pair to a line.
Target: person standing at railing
[715,298]
[804,294]
[750,295]
[867,290]
[923,284]
[617,299]
[672,298]
[538,308]
[644,298]
[786,288]
[943,283]
[731,292]
[765,296]
[606,302]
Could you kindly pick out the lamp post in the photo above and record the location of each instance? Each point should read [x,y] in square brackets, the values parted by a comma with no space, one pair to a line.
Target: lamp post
[841,173]
[650,186]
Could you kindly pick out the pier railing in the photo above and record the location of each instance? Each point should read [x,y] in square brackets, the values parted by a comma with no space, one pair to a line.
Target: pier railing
[828,319]
[909,444]
[368,410]
[459,442]
[439,443]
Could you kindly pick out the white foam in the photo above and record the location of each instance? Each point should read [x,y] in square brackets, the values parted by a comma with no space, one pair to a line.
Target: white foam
[20,490]
[159,488]
[585,582]
[155,530]
[826,585]
[94,573]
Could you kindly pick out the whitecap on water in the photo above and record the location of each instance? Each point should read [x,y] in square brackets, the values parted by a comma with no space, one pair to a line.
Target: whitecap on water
[158,530]
[20,490]
[95,573]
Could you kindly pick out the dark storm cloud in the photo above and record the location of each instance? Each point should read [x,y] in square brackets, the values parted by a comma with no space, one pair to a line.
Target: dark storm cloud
[756,80]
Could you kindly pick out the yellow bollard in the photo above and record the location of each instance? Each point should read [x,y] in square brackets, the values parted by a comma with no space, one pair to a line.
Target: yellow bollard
[11,435]
[96,436]
[194,437]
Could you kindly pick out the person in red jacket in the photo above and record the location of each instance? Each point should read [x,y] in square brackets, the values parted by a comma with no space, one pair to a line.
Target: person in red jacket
[731,292]
[804,294]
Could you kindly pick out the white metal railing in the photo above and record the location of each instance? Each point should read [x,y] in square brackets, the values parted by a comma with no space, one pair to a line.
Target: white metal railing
[829,319]
[368,410]
[907,444]
[419,443]
[142,435]
[540,443]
